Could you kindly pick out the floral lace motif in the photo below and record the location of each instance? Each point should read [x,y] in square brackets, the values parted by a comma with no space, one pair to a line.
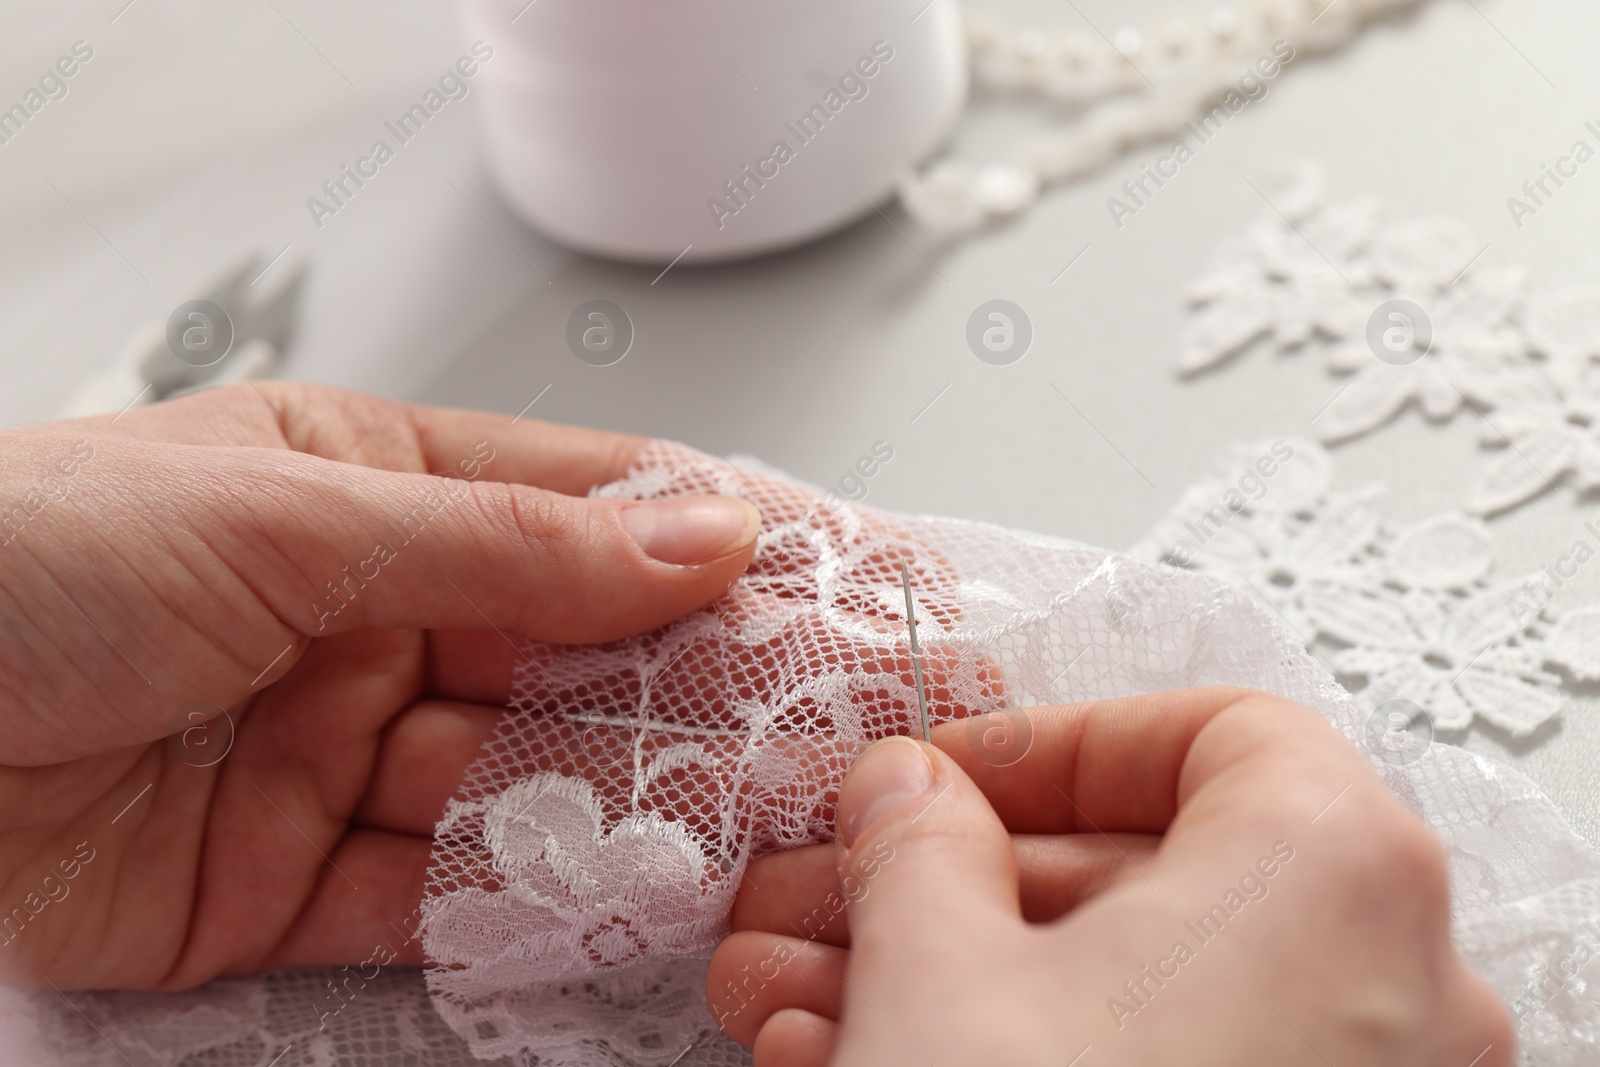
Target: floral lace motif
[1413,611]
[1316,274]
[582,897]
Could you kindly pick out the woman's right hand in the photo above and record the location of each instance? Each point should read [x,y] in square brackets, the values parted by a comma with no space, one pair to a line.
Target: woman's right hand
[1291,910]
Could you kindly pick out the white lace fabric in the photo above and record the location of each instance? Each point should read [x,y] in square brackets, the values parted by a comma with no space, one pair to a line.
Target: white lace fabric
[267,1020]
[1414,611]
[586,868]
[1312,270]
[1405,612]
[608,825]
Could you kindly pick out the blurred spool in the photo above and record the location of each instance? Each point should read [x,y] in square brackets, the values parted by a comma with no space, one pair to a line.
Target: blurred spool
[611,125]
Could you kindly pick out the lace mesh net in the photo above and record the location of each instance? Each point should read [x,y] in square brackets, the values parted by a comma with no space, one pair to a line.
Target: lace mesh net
[585,868]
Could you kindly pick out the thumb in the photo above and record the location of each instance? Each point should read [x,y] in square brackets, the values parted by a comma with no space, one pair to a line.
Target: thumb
[926,862]
[336,547]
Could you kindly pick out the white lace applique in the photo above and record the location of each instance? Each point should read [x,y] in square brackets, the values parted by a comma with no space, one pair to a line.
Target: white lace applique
[1315,274]
[1413,611]
[1549,425]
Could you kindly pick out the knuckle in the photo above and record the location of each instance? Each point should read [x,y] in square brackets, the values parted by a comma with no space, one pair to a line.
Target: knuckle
[1402,851]
[1273,711]
[543,522]
[1382,863]
[623,450]
[930,844]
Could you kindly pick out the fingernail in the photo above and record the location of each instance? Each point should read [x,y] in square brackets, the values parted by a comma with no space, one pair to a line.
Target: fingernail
[887,775]
[690,530]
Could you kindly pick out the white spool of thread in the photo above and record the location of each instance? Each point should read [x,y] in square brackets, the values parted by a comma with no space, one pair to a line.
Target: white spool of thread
[637,129]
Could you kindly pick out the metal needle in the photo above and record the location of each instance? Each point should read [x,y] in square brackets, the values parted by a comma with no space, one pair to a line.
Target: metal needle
[916,654]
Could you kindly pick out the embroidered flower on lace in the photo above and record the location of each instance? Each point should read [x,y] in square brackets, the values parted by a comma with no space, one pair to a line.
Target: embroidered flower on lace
[581,897]
[1410,610]
[1314,272]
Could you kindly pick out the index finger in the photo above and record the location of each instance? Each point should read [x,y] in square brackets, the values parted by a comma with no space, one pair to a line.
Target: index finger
[1108,766]
[357,428]
[369,431]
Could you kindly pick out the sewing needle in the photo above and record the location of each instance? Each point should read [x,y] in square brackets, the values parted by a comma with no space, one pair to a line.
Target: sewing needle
[916,654]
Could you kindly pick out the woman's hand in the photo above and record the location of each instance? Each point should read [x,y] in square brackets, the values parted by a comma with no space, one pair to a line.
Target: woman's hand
[318,593]
[1220,880]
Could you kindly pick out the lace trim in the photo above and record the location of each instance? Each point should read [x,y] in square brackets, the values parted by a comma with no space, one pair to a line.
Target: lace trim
[1412,613]
[1333,277]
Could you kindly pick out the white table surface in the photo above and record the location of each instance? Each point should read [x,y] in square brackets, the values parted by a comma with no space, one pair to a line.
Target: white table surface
[198,131]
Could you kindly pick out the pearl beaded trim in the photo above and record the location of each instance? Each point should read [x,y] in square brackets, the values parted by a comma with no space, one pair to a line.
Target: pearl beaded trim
[1148,84]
